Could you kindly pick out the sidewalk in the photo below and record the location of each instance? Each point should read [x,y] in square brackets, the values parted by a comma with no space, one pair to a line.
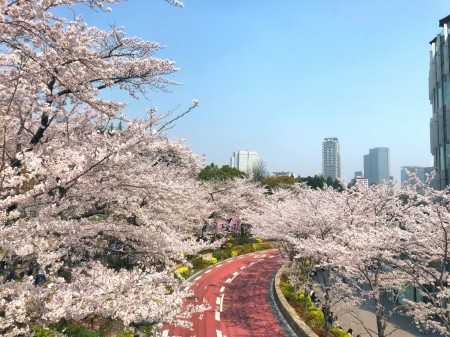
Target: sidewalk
[346,321]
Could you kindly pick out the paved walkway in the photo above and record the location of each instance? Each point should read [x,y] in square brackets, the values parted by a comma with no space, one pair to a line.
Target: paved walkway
[347,320]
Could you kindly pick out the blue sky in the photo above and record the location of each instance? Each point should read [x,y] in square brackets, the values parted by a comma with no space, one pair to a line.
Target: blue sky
[277,77]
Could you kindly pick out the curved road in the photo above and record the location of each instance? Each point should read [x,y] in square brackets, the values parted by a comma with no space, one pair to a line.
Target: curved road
[236,291]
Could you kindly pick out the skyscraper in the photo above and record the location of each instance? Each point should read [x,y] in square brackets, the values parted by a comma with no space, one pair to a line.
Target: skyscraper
[244,161]
[331,158]
[439,98]
[376,165]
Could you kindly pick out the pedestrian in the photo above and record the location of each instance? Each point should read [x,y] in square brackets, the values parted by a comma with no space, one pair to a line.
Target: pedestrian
[312,295]
[350,332]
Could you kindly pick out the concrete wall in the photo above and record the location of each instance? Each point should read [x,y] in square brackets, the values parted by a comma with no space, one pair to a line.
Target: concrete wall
[289,314]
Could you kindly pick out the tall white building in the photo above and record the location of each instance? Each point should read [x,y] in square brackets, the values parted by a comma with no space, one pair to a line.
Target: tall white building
[244,161]
[331,158]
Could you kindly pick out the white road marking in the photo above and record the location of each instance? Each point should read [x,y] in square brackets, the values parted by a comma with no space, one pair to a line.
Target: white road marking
[217,266]
[251,264]
[243,267]
[221,303]
[218,300]
[259,256]
[165,333]
[198,278]
[222,289]
[206,272]
[217,316]
[228,280]
[235,273]
[240,257]
[229,261]
[219,333]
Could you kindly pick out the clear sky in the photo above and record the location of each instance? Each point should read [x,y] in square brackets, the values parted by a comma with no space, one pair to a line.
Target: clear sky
[277,77]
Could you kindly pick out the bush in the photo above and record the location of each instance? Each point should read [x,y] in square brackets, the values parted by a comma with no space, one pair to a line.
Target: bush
[198,263]
[221,254]
[207,262]
[338,332]
[256,246]
[229,245]
[73,330]
[316,317]
[265,245]
[183,271]
[234,253]
[39,331]
[288,291]
[245,249]
[305,299]
[285,286]
[258,240]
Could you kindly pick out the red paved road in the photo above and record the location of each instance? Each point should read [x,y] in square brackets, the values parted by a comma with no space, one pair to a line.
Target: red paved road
[236,292]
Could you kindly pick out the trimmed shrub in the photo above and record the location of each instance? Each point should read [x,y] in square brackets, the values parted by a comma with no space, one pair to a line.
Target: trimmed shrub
[183,271]
[40,331]
[256,246]
[258,240]
[305,299]
[229,245]
[316,317]
[287,291]
[234,253]
[265,245]
[73,330]
[338,332]
[198,263]
[212,260]
[221,254]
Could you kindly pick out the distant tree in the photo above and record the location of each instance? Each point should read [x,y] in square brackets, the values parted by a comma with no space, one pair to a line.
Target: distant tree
[318,182]
[283,181]
[213,172]
[258,171]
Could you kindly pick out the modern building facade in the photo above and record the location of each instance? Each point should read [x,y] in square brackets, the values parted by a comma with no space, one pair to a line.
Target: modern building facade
[439,98]
[376,165]
[331,158]
[244,161]
[283,174]
[421,173]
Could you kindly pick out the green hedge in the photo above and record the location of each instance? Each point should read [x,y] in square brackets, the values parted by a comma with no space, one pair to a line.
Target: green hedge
[338,332]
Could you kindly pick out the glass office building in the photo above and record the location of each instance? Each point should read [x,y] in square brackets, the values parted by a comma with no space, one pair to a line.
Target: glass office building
[439,99]
[376,165]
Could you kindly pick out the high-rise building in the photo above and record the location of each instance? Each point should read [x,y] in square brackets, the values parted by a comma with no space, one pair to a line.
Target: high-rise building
[421,173]
[376,165]
[244,161]
[439,98]
[331,158]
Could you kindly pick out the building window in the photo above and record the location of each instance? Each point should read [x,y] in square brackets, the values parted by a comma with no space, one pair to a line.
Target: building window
[445,89]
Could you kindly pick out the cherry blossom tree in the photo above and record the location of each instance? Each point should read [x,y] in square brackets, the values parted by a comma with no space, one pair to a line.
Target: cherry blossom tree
[306,223]
[93,221]
[425,257]
[354,238]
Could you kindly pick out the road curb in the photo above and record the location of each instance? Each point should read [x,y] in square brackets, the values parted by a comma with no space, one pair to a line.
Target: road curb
[289,314]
